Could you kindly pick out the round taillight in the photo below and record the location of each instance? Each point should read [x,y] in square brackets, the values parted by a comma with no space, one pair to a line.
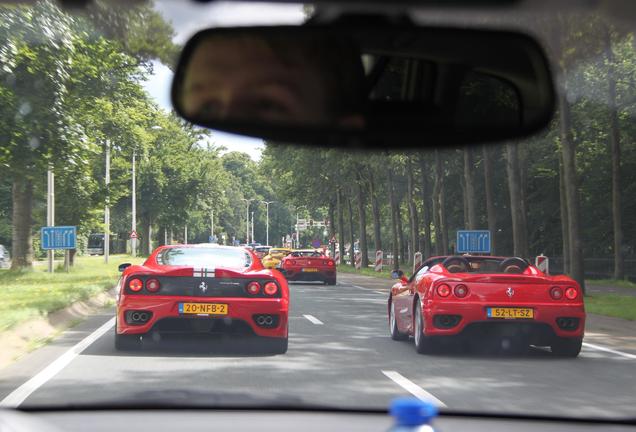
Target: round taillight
[330,263]
[253,288]
[291,262]
[135,285]
[270,288]
[443,290]
[571,293]
[460,291]
[556,293]
[153,285]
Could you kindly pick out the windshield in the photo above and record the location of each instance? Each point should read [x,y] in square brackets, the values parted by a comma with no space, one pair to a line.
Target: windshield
[204,257]
[97,171]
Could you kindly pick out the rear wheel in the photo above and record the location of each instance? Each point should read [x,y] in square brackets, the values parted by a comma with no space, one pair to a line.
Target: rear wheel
[396,334]
[567,347]
[124,342]
[422,342]
[330,281]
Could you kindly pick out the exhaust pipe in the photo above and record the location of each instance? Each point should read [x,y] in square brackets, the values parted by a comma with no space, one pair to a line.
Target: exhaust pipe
[135,316]
[260,320]
[268,320]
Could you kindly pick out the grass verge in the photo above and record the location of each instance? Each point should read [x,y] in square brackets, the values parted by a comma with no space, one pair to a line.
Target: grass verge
[28,294]
[611,282]
[612,305]
[385,274]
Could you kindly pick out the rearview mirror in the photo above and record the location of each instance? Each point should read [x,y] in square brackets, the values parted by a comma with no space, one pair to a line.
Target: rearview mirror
[123,266]
[331,84]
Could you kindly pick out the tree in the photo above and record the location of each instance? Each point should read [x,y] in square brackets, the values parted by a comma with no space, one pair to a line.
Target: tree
[491,212]
[519,229]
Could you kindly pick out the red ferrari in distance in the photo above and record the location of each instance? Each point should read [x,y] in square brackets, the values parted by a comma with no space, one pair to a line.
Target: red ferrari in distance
[482,296]
[202,289]
[309,265]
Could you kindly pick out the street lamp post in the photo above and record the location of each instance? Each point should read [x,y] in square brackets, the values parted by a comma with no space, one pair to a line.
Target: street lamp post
[267,203]
[247,219]
[212,224]
[133,239]
[107,206]
[252,227]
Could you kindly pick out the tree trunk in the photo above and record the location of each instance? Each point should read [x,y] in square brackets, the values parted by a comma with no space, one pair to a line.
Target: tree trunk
[402,243]
[22,244]
[394,232]
[341,228]
[351,233]
[519,230]
[332,221]
[426,203]
[362,224]
[375,209]
[441,233]
[615,149]
[565,234]
[572,192]
[469,189]
[491,211]
[414,239]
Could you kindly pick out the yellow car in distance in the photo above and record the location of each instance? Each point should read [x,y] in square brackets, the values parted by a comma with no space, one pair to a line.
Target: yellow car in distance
[274,257]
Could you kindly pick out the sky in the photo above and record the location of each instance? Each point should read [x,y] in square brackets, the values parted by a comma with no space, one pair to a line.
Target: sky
[188,18]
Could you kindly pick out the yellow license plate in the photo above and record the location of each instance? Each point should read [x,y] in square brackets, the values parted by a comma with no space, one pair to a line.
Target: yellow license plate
[203,308]
[510,313]
[310,270]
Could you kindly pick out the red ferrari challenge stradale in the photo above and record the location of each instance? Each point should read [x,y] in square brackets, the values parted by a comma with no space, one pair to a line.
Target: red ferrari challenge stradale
[487,298]
[309,265]
[202,289]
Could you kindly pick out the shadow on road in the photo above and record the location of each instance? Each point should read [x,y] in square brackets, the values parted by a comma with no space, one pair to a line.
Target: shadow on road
[184,346]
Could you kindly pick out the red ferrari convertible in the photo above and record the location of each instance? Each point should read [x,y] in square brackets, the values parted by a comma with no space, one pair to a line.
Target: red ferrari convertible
[309,265]
[202,289]
[480,296]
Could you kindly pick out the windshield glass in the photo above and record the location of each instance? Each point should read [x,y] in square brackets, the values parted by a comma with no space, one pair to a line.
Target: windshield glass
[97,171]
[204,257]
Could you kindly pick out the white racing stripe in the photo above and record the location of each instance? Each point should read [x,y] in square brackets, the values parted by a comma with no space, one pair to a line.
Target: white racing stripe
[413,388]
[609,350]
[313,319]
[17,396]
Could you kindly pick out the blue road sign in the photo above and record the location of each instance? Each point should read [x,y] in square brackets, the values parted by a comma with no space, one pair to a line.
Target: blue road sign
[212,239]
[476,241]
[59,237]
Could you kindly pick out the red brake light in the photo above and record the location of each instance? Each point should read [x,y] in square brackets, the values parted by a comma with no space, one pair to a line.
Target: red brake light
[460,291]
[330,263]
[291,262]
[571,293]
[443,290]
[135,285]
[270,288]
[253,288]
[152,285]
[556,293]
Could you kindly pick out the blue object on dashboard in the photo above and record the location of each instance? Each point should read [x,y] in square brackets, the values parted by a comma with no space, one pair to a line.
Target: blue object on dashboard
[412,411]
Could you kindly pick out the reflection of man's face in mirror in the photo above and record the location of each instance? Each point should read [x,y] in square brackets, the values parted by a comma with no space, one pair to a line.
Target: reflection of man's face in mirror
[247,78]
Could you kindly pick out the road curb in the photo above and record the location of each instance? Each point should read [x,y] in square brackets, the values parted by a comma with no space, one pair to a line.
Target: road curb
[30,335]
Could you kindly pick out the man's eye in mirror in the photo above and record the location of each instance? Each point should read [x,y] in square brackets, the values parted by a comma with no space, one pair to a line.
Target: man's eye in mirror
[272,79]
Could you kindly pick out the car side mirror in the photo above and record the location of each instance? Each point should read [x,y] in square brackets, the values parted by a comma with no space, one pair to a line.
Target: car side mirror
[123,266]
[397,274]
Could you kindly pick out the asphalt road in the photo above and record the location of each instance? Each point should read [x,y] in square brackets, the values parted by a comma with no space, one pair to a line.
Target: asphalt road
[339,354]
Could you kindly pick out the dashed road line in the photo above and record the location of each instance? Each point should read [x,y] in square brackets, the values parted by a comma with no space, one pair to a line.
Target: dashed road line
[313,319]
[609,350]
[17,396]
[413,388]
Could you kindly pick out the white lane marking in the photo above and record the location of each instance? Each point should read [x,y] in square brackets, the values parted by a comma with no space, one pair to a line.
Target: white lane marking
[609,350]
[17,396]
[413,388]
[313,319]
[380,292]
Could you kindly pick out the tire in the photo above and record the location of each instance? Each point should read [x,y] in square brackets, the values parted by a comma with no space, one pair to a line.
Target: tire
[422,342]
[567,347]
[396,334]
[124,342]
[275,345]
[330,282]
